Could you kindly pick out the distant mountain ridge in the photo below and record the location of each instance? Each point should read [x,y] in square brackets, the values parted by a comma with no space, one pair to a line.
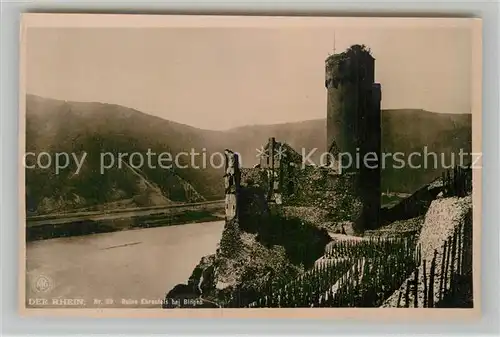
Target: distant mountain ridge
[76,127]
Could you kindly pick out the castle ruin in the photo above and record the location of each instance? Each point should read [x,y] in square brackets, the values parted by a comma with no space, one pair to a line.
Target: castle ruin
[351,194]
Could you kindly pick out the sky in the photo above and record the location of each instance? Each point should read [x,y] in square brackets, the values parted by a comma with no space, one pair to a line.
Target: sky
[218,78]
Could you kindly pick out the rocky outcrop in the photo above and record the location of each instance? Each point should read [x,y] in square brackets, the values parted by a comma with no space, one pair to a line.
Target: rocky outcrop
[250,258]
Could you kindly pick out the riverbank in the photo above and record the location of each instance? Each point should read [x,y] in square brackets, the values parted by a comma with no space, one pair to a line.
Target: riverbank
[68,227]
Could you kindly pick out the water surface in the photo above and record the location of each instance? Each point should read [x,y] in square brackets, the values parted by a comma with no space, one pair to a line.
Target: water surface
[127,267]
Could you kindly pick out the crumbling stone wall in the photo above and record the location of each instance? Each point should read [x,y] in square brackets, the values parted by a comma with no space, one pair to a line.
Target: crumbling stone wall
[299,186]
[232,176]
[254,177]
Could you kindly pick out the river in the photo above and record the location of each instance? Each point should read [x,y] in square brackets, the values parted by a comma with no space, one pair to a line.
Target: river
[131,268]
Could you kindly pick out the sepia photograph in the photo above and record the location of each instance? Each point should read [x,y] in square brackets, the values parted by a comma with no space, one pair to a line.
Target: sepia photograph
[182,163]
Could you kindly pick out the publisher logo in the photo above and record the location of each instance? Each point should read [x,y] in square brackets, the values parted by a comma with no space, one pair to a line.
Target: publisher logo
[42,284]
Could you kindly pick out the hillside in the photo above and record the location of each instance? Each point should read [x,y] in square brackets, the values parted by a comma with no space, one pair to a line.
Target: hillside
[57,126]
[74,127]
[419,131]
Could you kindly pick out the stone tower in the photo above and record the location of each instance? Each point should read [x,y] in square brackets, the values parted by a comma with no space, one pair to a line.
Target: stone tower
[353,124]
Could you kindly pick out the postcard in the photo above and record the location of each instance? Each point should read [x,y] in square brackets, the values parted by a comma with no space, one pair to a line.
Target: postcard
[250,166]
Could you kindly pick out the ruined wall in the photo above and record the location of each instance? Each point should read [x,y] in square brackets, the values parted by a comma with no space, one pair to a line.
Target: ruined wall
[232,177]
[310,187]
[281,163]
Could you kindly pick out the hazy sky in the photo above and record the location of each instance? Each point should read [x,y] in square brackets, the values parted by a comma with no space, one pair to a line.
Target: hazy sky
[217,78]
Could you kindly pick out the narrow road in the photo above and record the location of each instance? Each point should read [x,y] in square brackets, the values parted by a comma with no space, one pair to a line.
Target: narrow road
[116,214]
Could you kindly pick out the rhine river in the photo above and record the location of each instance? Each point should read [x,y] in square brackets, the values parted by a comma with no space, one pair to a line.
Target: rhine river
[120,269]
